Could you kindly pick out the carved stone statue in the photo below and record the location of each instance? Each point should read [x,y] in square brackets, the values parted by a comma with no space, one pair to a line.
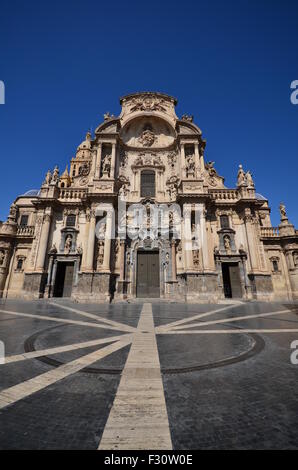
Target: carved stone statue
[282,210]
[190,165]
[55,175]
[108,116]
[295,259]
[100,253]
[106,166]
[48,178]
[227,243]
[13,211]
[68,244]
[241,179]
[187,117]
[249,180]
[196,258]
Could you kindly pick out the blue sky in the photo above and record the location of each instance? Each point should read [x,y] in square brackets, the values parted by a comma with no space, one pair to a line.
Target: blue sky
[229,63]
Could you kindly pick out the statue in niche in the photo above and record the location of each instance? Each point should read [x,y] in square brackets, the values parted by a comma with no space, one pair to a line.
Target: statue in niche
[68,244]
[295,259]
[2,257]
[106,165]
[196,258]
[190,165]
[55,175]
[241,179]
[100,252]
[79,250]
[101,231]
[282,210]
[227,243]
[249,180]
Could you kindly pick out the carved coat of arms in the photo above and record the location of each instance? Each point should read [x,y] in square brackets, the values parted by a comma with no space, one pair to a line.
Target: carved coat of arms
[147,138]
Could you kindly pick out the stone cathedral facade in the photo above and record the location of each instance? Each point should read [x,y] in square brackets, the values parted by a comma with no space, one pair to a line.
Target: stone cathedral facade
[72,238]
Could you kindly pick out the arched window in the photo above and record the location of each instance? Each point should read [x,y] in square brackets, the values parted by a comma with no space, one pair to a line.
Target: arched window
[148,183]
[224,221]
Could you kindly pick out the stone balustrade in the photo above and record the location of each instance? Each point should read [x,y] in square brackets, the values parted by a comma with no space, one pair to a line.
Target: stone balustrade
[72,194]
[269,232]
[25,230]
[224,194]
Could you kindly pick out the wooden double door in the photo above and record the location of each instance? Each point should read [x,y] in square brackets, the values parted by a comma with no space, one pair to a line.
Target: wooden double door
[64,279]
[148,280]
[231,280]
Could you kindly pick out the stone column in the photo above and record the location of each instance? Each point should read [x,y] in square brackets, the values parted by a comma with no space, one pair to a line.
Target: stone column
[187,237]
[91,243]
[113,161]
[122,260]
[174,266]
[183,174]
[98,160]
[197,160]
[250,239]
[43,243]
[204,239]
[108,240]
[85,246]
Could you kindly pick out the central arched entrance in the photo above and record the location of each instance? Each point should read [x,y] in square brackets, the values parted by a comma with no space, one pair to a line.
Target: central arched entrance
[148,279]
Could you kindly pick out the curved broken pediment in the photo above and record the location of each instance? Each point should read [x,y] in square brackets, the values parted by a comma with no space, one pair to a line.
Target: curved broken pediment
[148,132]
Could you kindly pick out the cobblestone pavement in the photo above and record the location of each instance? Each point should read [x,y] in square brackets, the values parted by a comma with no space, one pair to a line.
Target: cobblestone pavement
[221,375]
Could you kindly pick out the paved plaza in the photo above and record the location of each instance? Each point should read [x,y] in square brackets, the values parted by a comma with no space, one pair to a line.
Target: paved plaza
[148,375]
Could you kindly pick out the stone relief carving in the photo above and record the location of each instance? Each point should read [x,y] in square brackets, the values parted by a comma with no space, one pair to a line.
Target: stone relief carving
[147,138]
[100,253]
[147,104]
[84,169]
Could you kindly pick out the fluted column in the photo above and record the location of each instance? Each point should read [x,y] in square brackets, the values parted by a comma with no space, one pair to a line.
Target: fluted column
[91,242]
[86,239]
[122,260]
[204,239]
[183,174]
[174,265]
[187,237]
[108,239]
[98,160]
[43,242]
[197,160]
[113,161]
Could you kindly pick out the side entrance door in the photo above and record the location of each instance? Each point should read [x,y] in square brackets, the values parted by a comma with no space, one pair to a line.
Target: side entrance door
[148,274]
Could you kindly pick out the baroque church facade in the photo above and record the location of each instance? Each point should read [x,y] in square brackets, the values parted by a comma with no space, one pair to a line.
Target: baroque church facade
[140,213]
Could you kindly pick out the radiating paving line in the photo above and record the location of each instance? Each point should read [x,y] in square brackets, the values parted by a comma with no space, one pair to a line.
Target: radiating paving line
[25,389]
[95,317]
[241,331]
[138,418]
[195,317]
[232,319]
[64,320]
[60,349]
